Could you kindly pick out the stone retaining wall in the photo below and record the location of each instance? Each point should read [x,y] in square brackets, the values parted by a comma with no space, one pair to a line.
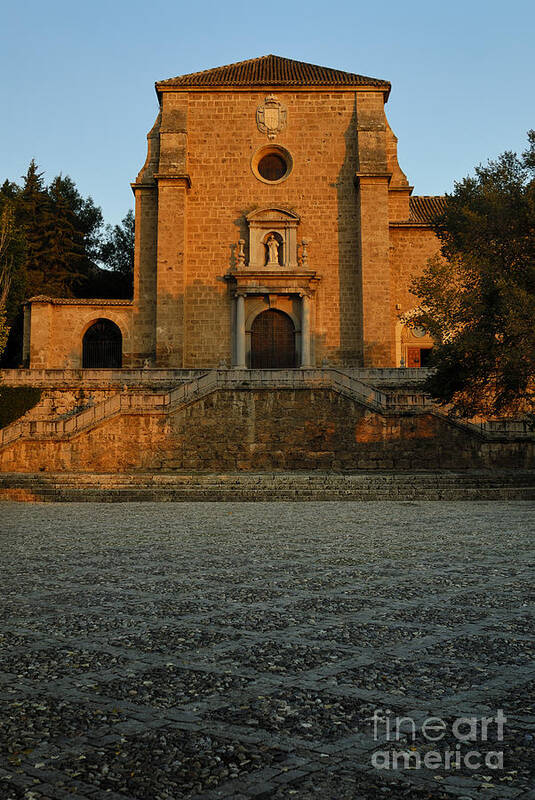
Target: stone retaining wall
[265,430]
[97,378]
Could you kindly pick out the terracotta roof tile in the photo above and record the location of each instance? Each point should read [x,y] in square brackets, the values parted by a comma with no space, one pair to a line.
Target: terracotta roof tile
[272,71]
[425,208]
[78,301]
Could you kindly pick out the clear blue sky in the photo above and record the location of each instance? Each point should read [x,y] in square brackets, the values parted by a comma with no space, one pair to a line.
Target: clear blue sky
[77,89]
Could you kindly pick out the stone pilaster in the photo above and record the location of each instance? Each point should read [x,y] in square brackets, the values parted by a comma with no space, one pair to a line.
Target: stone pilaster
[144,328]
[240,332]
[26,335]
[41,352]
[372,179]
[173,185]
[146,199]
[305,331]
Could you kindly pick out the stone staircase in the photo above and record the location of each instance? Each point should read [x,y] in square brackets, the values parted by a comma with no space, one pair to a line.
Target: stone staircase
[501,485]
[194,389]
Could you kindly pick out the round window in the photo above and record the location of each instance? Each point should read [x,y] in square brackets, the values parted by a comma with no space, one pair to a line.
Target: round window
[419,332]
[272,167]
[272,164]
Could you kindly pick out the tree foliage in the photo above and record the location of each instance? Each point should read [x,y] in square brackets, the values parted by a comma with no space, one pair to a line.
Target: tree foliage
[478,298]
[62,232]
[117,250]
[4,331]
[11,260]
[12,250]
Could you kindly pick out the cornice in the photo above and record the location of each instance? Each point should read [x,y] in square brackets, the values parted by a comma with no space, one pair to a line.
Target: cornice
[173,176]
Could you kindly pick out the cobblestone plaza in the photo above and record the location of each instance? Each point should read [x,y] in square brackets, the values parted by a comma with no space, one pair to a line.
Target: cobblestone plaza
[214,650]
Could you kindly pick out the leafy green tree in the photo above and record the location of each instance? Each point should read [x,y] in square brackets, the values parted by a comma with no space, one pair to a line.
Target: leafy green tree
[117,251]
[478,299]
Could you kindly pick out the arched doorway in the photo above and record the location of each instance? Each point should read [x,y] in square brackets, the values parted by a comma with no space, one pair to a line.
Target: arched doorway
[102,346]
[272,341]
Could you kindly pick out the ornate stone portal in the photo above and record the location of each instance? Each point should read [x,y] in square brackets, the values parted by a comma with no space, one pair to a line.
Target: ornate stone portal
[272,279]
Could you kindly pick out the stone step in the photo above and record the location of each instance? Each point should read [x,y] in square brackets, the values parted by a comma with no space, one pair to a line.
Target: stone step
[72,496]
[504,485]
[264,478]
[270,479]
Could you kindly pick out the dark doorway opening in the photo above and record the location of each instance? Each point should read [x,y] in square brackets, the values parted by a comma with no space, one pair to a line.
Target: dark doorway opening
[273,341]
[102,346]
[418,356]
[425,356]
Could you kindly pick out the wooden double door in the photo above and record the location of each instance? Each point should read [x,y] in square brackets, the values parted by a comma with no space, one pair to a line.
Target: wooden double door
[273,341]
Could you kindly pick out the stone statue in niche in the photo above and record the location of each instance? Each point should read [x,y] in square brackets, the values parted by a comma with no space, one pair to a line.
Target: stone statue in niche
[273,251]
[272,223]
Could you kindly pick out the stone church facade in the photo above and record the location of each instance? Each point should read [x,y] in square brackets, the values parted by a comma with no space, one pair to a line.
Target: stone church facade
[274,228]
[276,240]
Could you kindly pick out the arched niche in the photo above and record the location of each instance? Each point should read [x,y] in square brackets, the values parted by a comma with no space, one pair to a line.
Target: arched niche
[274,249]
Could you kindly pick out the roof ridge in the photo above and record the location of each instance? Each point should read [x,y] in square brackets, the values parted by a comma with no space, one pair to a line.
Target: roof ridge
[271,69]
[222,66]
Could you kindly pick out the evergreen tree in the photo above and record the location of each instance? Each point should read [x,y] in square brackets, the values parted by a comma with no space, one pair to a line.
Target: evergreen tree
[31,212]
[66,260]
[62,231]
[88,216]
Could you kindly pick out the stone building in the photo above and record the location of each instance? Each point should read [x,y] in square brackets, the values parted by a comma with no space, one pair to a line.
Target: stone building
[274,228]
[276,239]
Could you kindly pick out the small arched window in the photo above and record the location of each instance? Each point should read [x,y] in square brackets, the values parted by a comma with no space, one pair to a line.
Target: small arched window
[102,346]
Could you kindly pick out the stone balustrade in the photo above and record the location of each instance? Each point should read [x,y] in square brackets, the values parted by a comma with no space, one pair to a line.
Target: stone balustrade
[95,378]
[103,378]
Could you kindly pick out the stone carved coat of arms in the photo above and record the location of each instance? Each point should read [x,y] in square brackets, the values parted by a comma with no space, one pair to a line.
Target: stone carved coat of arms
[271,116]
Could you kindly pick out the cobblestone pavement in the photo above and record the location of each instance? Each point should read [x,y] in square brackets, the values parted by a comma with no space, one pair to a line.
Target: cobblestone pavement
[163,651]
